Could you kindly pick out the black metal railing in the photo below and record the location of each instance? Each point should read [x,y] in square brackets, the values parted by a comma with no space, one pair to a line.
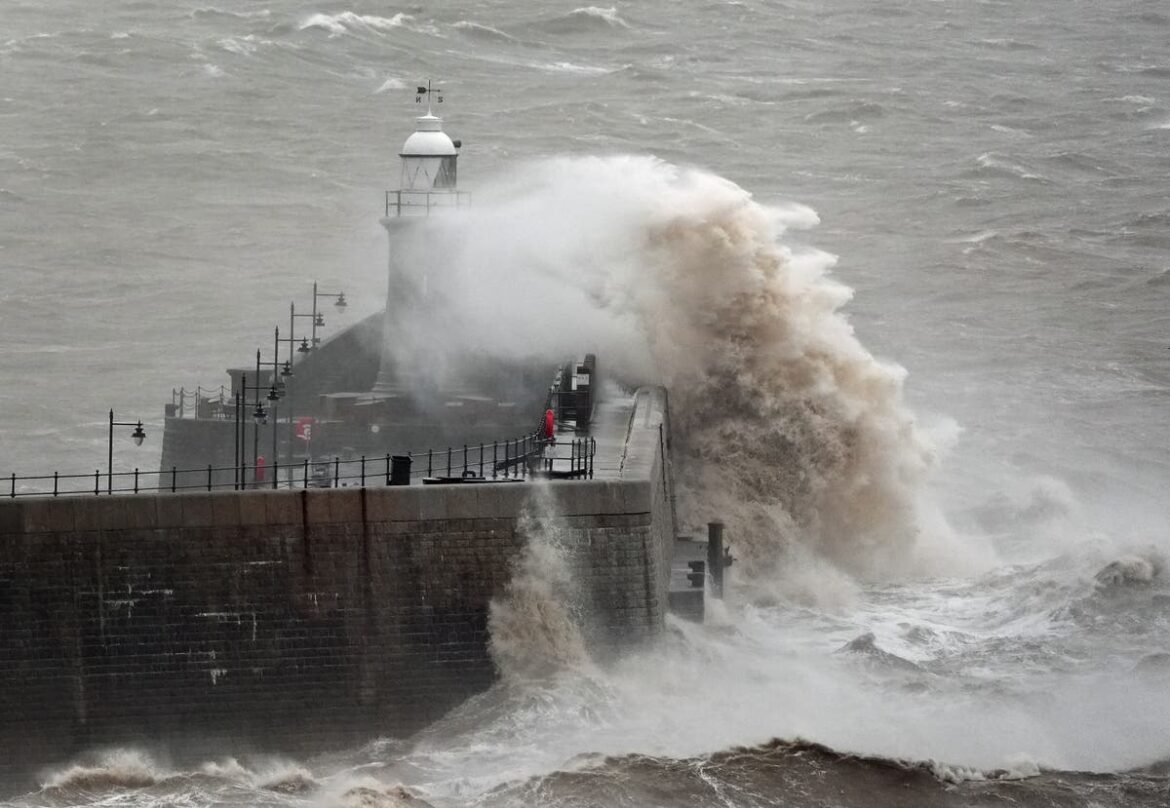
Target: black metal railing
[523,458]
[406,203]
[202,402]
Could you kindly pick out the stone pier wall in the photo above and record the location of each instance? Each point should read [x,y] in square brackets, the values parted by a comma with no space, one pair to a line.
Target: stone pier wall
[287,620]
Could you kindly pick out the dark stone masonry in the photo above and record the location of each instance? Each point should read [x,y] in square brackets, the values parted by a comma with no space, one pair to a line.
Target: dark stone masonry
[287,620]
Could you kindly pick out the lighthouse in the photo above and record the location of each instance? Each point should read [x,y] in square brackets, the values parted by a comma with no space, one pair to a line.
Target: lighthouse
[427,185]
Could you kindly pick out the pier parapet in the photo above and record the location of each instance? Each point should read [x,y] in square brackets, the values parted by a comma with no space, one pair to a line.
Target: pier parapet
[296,620]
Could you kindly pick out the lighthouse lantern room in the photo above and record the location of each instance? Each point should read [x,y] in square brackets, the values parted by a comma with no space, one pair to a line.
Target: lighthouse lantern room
[429,159]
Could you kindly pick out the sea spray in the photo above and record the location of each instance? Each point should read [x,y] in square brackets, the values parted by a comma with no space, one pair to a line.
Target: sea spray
[785,426]
[536,626]
[108,770]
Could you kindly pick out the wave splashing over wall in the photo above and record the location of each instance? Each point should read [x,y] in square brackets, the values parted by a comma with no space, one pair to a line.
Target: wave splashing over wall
[786,426]
[536,626]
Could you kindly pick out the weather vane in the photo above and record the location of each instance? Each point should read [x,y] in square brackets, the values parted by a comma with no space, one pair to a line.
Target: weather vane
[428,93]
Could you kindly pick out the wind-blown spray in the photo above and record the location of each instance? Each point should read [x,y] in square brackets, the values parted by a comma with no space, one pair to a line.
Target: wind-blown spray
[787,427]
[536,625]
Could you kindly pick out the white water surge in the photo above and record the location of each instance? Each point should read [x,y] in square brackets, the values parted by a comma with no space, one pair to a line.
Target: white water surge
[788,428]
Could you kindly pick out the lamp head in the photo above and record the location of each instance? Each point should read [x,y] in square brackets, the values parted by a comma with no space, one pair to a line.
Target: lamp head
[138,434]
[260,416]
[340,304]
[304,347]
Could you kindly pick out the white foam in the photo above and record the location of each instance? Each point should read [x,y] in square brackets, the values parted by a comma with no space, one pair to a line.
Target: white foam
[609,15]
[475,27]
[349,22]
[391,84]
[569,67]
[678,277]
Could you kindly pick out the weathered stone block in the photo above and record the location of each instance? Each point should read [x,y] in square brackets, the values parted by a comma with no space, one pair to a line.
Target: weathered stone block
[47,515]
[637,497]
[197,510]
[11,516]
[225,508]
[432,502]
[588,497]
[168,509]
[253,510]
[463,501]
[284,507]
[502,500]
[317,505]
[345,505]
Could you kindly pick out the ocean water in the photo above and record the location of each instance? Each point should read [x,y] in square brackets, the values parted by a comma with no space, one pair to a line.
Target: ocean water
[946,488]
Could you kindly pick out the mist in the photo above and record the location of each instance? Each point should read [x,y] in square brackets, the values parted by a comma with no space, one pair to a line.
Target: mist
[789,429]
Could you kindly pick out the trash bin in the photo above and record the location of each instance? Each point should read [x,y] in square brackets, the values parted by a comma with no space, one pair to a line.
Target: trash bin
[400,470]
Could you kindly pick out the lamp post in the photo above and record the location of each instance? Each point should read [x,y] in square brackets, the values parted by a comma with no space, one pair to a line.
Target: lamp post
[306,345]
[287,371]
[138,435]
[318,319]
[259,418]
[278,387]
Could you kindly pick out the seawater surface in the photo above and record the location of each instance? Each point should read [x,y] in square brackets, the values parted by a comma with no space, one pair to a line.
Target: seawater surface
[940,453]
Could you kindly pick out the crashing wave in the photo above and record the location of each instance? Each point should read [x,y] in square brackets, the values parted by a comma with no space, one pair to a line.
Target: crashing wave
[348,22]
[1129,570]
[111,770]
[866,646]
[477,30]
[585,19]
[785,425]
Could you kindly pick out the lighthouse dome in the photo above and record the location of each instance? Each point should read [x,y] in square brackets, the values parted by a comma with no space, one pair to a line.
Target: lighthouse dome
[428,139]
[428,157]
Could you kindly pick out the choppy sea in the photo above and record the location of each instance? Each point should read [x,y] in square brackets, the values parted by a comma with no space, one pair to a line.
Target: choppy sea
[991,177]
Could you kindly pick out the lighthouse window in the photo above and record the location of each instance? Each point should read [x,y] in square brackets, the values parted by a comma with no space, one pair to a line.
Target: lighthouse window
[446,177]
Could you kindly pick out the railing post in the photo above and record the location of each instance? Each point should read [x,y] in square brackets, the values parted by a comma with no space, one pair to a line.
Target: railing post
[136,479]
[387,469]
[465,460]
[306,472]
[54,485]
[481,461]
[208,476]
[448,461]
[14,484]
[495,457]
[430,473]
[275,474]
[174,479]
[97,481]
[336,471]
[363,471]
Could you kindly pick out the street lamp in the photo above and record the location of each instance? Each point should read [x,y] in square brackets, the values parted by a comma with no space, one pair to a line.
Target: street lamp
[318,319]
[138,435]
[307,345]
[259,418]
[279,374]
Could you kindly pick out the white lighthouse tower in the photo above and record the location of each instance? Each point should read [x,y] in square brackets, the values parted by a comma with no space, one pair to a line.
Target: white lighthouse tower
[427,185]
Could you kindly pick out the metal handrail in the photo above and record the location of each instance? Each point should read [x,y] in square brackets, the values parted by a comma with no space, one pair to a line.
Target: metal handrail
[527,457]
[183,399]
[398,201]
